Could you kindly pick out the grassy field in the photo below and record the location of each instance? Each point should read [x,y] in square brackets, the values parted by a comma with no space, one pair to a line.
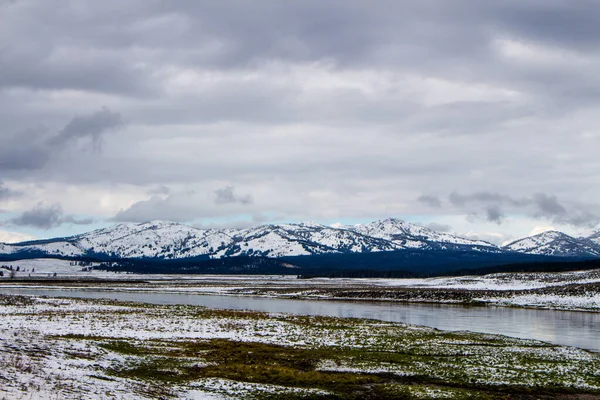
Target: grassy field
[106,349]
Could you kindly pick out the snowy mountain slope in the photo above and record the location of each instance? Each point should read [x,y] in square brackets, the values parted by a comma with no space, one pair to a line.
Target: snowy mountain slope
[411,236]
[154,239]
[554,243]
[6,249]
[168,240]
[594,238]
[150,239]
[302,239]
[58,247]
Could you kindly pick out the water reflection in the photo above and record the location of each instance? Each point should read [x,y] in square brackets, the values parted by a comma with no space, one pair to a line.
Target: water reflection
[569,328]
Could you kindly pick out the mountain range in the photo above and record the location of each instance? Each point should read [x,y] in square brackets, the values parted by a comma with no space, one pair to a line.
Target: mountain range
[173,241]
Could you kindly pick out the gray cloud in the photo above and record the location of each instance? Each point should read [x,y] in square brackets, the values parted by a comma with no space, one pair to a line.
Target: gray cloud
[156,207]
[494,214]
[160,190]
[236,224]
[34,148]
[6,192]
[121,53]
[548,206]
[431,201]
[46,217]
[188,205]
[24,151]
[227,196]
[442,228]
[319,109]
[540,205]
[91,126]
[458,199]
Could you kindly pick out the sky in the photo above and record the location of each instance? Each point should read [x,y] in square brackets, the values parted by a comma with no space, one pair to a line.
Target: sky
[478,118]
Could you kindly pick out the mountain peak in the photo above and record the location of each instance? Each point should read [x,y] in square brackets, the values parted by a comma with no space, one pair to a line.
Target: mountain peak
[554,243]
[413,236]
[390,220]
[551,235]
[310,224]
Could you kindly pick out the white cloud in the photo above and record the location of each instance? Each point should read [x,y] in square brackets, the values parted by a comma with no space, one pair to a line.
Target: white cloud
[14,237]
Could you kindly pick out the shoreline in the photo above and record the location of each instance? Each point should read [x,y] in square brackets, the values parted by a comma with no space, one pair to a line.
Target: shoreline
[568,297]
[90,347]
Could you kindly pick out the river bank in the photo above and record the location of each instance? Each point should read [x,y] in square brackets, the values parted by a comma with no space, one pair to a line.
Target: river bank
[76,348]
[576,291]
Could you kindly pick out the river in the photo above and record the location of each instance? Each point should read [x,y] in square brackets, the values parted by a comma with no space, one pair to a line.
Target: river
[570,328]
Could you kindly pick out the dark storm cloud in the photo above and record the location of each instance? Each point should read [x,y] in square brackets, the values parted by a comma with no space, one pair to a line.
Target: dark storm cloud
[46,217]
[227,196]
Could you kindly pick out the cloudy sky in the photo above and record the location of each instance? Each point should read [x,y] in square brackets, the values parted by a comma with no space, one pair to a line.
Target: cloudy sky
[474,117]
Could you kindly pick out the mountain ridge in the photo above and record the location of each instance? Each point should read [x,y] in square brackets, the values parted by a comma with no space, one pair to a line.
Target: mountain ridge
[555,243]
[169,240]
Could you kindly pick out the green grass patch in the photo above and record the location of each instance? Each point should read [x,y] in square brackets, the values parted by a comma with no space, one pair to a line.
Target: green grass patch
[262,363]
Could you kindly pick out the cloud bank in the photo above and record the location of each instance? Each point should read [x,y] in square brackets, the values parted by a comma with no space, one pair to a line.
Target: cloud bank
[304,110]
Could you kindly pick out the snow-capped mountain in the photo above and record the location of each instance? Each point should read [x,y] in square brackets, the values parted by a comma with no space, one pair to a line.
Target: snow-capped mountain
[167,240]
[411,236]
[302,239]
[554,243]
[157,239]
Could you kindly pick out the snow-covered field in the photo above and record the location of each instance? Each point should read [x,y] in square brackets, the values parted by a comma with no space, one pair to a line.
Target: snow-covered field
[100,349]
[499,281]
[577,290]
[40,268]
[585,302]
